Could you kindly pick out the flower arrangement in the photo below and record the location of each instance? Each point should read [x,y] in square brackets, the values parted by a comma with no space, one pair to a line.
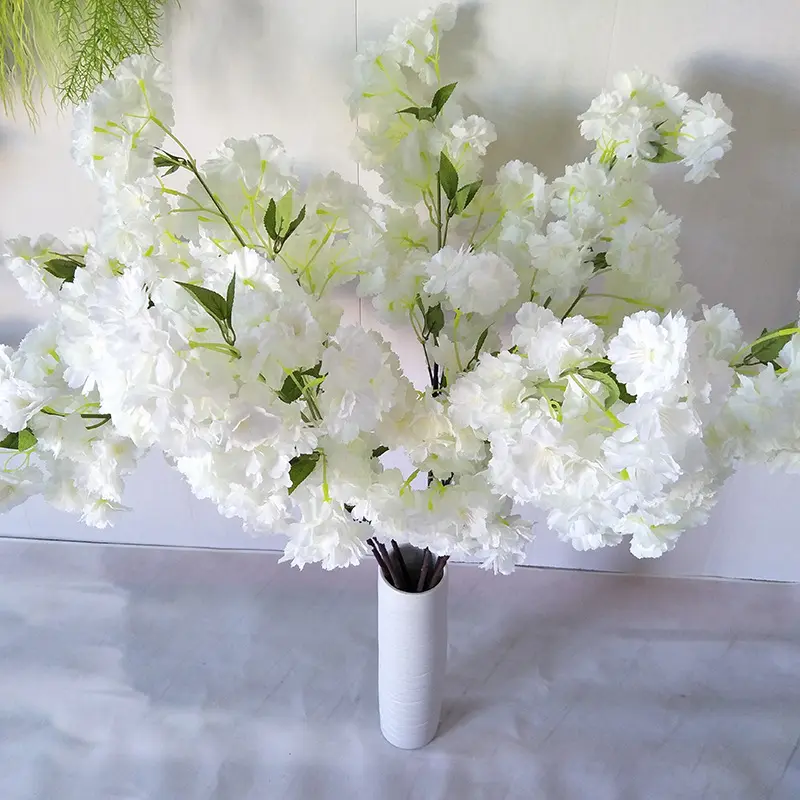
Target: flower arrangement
[569,367]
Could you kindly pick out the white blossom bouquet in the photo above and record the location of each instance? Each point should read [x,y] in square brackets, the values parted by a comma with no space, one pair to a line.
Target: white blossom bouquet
[569,368]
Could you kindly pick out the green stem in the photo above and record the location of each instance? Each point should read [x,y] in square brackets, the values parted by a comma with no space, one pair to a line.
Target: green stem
[494,227]
[421,340]
[104,420]
[438,212]
[456,323]
[198,205]
[196,172]
[308,397]
[223,213]
[594,400]
[632,300]
[551,406]
[325,239]
[475,231]
[429,206]
[394,86]
[575,302]
[326,497]
[216,347]
[407,482]
[447,219]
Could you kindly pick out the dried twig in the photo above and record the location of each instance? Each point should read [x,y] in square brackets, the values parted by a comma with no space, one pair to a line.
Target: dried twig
[384,568]
[438,571]
[423,573]
[398,554]
[394,569]
[396,572]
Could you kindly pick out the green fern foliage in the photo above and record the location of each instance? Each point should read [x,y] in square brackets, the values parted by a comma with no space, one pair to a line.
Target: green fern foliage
[95,35]
[28,52]
[69,45]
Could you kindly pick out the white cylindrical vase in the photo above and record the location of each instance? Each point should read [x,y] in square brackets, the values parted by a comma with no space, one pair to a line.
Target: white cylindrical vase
[412,656]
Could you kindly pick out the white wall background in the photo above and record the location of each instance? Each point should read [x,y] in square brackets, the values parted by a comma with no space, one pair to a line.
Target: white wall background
[281,66]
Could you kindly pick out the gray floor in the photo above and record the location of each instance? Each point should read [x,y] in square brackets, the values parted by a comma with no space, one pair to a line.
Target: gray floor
[177,674]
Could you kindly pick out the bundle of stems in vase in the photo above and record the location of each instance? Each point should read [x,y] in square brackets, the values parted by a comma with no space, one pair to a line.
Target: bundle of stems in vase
[408,575]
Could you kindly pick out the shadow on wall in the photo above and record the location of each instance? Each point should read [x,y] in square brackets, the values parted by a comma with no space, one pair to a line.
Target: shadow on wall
[532,123]
[460,44]
[539,129]
[740,237]
[740,241]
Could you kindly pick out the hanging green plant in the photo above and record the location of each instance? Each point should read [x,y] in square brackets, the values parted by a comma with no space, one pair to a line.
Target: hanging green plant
[69,46]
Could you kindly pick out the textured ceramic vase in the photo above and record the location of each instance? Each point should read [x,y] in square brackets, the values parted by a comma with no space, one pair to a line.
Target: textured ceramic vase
[412,656]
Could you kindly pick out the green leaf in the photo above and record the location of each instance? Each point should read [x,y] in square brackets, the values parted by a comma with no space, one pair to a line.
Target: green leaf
[465,195]
[10,442]
[284,212]
[270,220]
[214,303]
[625,395]
[413,110]
[379,451]
[608,380]
[448,177]
[600,262]
[172,163]
[423,113]
[300,467]
[600,367]
[442,96]
[165,159]
[294,223]
[104,420]
[22,440]
[63,268]
[664,156]
[291,391]
[229,296]
[768,351]
[434,321]
[480,343]
[27,439]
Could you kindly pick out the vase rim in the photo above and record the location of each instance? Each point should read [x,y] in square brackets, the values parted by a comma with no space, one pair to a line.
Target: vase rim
[426,593]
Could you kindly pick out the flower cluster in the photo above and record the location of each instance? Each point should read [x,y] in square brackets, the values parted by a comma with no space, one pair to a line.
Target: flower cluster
[200,319]
[643,118]
[55,440]
[605,435]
